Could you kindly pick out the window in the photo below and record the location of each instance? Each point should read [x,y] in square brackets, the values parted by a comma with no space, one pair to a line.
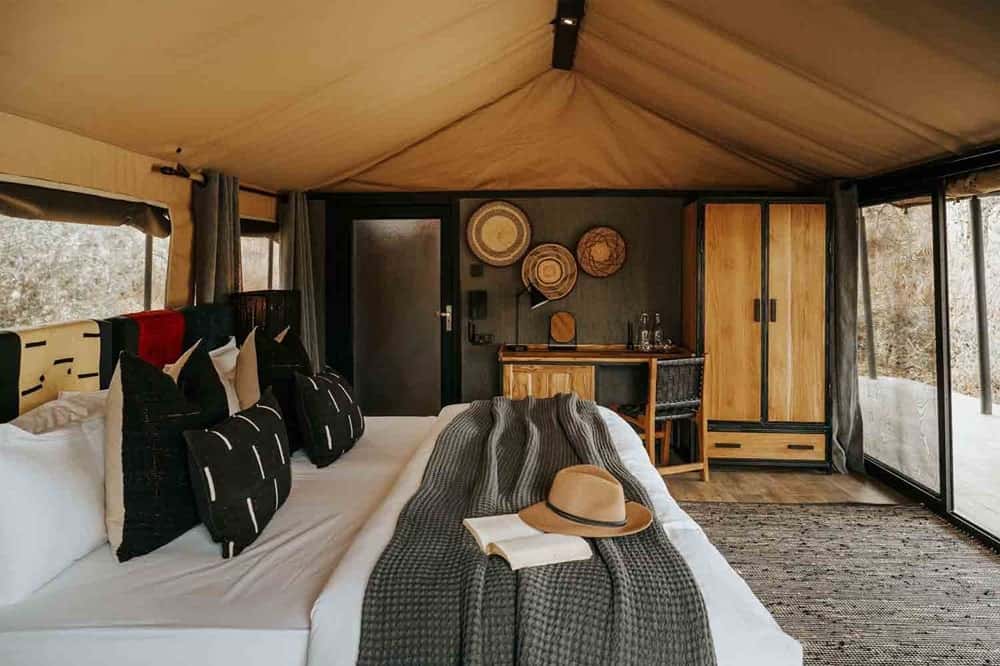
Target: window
[974,331]
[896,341]
[259,255]
[60,271]
[928,332]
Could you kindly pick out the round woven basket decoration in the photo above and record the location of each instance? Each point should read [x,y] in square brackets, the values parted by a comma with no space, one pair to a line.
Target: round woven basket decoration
[498,233]
[601,252]
[552,269]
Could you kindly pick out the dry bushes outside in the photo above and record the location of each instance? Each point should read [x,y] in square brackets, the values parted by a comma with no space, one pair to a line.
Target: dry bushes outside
[900,251]
[59,271]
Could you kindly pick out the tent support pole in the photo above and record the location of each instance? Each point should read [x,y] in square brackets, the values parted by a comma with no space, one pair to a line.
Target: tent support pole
[982,322]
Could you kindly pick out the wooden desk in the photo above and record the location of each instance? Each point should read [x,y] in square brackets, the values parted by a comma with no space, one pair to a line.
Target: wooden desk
[539,372]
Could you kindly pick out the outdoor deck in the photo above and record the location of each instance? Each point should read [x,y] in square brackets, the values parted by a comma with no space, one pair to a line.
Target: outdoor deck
[901,430]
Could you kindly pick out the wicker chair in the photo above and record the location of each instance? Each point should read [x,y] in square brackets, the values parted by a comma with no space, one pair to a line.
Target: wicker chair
[677,387]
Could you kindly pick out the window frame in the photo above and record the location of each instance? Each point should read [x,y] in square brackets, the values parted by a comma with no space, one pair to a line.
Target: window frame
[894,187]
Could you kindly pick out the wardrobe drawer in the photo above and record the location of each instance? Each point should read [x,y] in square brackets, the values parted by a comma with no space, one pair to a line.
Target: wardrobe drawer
[766,446]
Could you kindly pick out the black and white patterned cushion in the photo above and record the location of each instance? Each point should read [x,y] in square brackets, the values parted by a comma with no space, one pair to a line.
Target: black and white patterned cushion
[241,473]
[149,497]
[330,417]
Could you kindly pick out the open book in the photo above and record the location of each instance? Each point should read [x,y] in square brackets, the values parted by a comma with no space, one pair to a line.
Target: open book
[522,545]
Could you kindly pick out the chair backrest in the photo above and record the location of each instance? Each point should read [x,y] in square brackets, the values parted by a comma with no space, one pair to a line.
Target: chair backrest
[678,386]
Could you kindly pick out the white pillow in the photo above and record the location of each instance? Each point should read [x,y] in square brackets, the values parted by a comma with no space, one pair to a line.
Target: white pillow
[69,407]
[224,361]
[51,505]
[92,402]
[49,416]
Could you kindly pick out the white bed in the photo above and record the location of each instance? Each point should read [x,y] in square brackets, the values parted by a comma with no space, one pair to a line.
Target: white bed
[296,594]
[183,605]
[743,630]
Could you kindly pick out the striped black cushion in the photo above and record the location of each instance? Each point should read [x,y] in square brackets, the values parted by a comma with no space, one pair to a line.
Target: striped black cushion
[241,473]
[330,417]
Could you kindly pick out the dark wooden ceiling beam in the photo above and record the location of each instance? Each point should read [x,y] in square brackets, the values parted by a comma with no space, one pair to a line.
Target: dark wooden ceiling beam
[566,26]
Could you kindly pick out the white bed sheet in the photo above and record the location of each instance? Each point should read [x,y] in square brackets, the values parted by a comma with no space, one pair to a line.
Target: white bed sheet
[183,605]
[743,630]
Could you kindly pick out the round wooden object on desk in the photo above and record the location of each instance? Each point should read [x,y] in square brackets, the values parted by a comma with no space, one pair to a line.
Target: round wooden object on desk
[498,233]
[551,268]
[601,252]
[562,328]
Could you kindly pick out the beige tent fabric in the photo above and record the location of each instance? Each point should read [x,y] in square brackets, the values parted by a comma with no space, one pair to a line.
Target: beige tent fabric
[975,184]
[335,94]
[286,95]
[826,88]
[564,131]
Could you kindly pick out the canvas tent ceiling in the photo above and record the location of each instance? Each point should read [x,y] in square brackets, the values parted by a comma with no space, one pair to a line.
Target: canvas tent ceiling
[459,94]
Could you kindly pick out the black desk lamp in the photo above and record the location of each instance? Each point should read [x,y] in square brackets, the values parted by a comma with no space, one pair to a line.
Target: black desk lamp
[537,299]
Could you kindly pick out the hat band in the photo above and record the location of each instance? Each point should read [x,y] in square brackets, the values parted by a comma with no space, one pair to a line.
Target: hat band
[584,521]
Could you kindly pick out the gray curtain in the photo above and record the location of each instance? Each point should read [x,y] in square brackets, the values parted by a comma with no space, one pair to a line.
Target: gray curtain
[295,240]
[848,445]
[216,208]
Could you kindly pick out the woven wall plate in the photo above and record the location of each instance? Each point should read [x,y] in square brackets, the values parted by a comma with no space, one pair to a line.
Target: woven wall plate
[601,252]
[552,269]
[498,233]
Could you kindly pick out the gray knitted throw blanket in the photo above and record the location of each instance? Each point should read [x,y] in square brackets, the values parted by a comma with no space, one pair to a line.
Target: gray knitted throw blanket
[434,598]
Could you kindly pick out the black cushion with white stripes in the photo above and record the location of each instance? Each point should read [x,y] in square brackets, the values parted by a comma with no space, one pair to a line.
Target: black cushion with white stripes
[329,416]
[241,473]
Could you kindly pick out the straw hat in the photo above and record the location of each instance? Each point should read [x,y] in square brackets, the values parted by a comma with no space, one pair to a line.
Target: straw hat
[587,501]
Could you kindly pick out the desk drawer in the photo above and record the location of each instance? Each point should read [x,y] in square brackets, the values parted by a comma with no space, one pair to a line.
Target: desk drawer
[766,446]
[544,381]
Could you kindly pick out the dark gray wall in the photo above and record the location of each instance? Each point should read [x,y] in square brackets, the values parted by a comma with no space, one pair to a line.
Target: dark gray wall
[649,281]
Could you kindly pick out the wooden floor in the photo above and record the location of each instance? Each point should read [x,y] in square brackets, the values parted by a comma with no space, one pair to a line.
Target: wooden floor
[781,487]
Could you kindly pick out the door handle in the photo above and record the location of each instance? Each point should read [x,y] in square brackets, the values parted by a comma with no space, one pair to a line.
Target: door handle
[756,309]
[772,310]
[446,315]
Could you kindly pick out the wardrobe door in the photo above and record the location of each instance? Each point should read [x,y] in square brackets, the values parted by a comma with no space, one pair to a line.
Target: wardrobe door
[733,311]
[796,336]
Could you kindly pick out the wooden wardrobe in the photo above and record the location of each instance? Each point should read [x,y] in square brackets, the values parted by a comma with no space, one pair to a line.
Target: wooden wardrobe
[756,292]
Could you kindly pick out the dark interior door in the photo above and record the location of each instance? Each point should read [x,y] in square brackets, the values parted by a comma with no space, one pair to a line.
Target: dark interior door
[396,271]
[392,317]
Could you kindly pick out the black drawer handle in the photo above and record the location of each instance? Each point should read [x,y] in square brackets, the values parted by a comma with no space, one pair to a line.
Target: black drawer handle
[756,309]
[802,447]
[728,445]
[772,310]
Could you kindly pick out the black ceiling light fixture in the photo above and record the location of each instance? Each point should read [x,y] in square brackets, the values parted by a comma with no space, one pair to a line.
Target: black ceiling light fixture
[566,25]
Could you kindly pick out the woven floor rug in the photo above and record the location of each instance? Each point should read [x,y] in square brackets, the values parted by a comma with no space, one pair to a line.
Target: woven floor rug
[864,584]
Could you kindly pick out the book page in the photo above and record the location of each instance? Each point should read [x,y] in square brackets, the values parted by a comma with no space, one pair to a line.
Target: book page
[539,549]
[491,529]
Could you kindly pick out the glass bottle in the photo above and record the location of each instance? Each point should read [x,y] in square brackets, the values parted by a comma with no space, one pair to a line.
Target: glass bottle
[658,342]
[644,342]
